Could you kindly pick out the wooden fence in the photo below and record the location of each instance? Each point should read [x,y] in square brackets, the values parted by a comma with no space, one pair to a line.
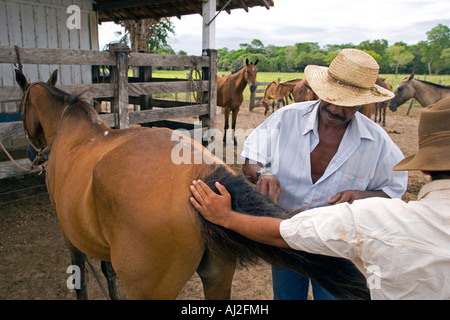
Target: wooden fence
[122,90]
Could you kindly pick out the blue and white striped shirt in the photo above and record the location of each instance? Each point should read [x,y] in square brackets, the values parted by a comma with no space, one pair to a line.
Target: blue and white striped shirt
[364,160]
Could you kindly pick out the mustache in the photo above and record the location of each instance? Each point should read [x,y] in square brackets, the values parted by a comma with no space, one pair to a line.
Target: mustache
[334,115]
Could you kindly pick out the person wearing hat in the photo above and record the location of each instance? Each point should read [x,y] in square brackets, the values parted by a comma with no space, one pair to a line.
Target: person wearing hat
[316,153]
[402,248]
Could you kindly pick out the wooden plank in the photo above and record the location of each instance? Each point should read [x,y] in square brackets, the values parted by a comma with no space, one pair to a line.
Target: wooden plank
[8,169]
[171,113]
[166,60]
[147,88]
[122,90]
[56,56]
[11,130]
[96,90]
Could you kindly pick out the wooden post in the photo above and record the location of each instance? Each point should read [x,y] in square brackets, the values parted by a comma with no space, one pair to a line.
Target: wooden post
[209,28]
[121,85]
[212,87]
[410,105]
[145,75]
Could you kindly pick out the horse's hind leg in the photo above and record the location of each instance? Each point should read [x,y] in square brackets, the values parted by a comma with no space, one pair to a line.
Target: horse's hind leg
[78,259]
[216,276]
[110,276]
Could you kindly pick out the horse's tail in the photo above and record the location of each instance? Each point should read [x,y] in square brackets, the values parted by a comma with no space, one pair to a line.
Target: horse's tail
[339,276]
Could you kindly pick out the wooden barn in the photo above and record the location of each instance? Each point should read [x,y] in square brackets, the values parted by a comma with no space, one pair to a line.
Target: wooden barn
[63,34]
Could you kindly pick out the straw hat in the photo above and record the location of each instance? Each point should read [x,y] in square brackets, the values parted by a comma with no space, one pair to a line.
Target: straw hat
[349,81]
[434,140]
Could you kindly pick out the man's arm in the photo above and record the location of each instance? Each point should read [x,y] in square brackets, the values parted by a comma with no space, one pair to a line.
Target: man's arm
[217,209]
[352,195]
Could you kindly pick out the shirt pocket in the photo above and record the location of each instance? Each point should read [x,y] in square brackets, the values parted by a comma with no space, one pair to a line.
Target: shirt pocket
[349,181]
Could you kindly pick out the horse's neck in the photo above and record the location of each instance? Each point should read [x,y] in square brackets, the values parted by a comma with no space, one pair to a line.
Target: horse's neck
[239,78]
[426,94]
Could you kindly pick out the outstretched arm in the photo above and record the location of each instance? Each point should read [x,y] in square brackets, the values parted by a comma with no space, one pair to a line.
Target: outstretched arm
[217,209]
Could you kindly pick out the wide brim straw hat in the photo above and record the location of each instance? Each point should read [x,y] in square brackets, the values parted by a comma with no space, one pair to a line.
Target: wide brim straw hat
[434,140]
[349,80]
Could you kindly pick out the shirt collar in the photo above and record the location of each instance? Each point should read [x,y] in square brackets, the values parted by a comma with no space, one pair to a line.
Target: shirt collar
[357,124]
[436,185]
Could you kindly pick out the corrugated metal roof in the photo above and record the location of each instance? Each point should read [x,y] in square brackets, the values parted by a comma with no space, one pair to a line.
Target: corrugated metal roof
[116,10]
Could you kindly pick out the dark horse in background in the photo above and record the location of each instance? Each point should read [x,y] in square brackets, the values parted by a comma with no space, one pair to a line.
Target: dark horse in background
[120,197]
[230,93]
[379,108]
[423,91]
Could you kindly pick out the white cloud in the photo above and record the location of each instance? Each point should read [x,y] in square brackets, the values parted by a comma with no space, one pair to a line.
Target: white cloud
[321,21]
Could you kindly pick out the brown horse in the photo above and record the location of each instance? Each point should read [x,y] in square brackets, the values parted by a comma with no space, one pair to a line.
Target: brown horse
[278,91]
[425,92]
[303,92]
[379,107]
[121,197]
[230,92]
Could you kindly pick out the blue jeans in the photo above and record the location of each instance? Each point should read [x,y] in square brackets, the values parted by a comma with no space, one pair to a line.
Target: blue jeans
[289,285]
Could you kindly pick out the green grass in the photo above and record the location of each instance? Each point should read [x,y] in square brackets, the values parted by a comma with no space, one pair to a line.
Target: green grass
[283,76]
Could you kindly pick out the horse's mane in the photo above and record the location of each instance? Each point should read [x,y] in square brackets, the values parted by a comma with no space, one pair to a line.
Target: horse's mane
[62,96]
[237,70]
[434,84]
[339,276]
[292,80]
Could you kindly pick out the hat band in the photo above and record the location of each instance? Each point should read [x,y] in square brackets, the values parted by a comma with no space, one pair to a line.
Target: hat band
[434,138]
[374,90]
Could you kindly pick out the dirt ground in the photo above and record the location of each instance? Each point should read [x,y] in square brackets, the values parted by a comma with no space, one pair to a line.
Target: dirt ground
[34,258]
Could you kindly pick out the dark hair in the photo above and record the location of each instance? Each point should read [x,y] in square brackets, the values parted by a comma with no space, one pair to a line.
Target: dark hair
[437,175]
[339,276]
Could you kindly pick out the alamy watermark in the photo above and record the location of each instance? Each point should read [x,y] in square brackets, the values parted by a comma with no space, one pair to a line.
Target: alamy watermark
[74,20]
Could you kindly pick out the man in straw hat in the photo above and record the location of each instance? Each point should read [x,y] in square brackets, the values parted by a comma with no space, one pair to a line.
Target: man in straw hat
[401,248]
[317,153]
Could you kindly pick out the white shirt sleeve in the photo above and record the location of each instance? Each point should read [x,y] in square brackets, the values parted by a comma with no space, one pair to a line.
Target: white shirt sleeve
[327,230]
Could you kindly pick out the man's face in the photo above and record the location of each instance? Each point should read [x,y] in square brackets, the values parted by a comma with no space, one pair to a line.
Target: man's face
[336,116]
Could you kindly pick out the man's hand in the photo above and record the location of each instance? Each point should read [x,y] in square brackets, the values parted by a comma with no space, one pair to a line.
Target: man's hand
[269,186]
[352,195]
[212,206]
[217,209]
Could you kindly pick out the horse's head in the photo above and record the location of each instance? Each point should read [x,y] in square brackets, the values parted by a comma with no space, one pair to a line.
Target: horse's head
[250,74]
[403,93]
[34,94]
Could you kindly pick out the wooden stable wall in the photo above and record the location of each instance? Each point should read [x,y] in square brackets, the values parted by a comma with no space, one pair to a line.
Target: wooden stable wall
[42,24]
[120,90]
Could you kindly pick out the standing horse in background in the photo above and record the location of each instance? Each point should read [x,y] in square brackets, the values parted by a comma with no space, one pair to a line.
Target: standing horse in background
[379,107]
[278,91]
[425,92]
[303,92]
[121,197]
[230,93]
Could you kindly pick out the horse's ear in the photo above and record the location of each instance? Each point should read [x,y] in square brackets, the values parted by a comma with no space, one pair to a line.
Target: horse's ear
[256,62]
[52,80]
[246,62]
[21,80]
[411,77]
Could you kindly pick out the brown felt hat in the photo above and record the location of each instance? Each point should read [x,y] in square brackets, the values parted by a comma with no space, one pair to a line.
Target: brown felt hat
[434,140]
[349,80]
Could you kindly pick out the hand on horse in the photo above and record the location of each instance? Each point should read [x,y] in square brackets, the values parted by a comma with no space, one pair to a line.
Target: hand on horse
[212,206]
[352,195]
[269,186]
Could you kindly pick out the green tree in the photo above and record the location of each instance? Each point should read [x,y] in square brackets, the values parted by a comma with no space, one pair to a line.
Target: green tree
[438,40]
[400,56]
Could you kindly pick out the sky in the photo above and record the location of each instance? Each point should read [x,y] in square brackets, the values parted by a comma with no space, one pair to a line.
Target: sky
[322,21]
